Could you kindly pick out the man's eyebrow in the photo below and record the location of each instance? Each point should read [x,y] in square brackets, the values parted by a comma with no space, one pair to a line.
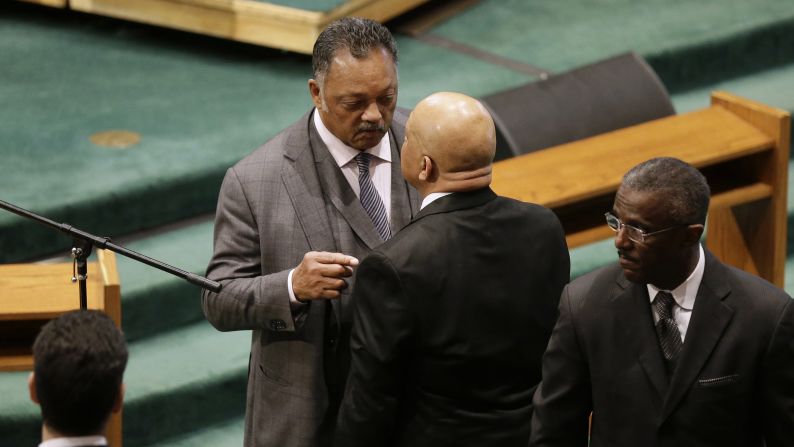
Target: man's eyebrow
[356,96]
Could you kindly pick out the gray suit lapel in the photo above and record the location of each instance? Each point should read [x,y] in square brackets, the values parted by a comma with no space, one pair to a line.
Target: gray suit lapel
[710,317]
[633,308]
[300,178]
[302,183]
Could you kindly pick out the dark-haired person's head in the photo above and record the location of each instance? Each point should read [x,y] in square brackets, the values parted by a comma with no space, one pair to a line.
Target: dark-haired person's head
[354,80]
[79,360]
[659,214]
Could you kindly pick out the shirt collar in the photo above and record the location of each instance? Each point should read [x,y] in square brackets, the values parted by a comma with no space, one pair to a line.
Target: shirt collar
[686,292]
[75,441]
[432,197]
[344,154]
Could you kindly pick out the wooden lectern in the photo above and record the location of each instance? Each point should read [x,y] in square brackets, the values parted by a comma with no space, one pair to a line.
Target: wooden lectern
[36,293]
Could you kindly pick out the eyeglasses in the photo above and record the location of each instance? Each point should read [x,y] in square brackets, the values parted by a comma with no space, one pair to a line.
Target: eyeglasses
[633,233]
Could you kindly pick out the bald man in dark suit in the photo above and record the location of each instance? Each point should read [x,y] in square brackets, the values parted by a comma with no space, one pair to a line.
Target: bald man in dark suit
[452,315]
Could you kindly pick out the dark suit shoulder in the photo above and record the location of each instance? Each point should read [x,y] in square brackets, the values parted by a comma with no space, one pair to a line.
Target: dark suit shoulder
[596,287]
[539,214]
[752,293]
[528,206]
[752,282]
[417,239]
[420,243]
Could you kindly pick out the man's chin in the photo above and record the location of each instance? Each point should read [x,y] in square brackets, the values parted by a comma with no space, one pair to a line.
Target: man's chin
[634,276]
[366,140]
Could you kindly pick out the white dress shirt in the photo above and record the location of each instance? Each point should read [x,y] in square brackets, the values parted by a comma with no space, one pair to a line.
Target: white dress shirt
[344,155]
[432,197]
[684,296]
[75,441]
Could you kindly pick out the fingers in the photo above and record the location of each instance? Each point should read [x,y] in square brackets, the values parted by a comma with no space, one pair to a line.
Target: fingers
[325,257]
[332,294]
[320,275]
[335,265]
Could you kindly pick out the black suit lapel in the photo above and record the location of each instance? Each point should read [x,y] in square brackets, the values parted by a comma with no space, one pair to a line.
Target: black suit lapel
[710,317]
[633,308]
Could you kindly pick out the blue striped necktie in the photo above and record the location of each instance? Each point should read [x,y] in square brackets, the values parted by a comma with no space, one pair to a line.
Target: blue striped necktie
[370,199]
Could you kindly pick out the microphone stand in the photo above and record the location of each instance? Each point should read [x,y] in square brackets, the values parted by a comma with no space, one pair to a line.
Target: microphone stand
[83,243]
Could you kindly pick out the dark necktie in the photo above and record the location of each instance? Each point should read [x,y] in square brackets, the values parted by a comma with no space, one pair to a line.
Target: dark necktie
[667,330]
[370,199]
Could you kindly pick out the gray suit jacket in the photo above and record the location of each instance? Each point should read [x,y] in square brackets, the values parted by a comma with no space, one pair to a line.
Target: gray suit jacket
[287,198]
[732,385]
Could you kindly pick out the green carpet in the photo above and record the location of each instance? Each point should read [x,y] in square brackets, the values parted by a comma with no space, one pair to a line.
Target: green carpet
[774,87]
[227,433]
[147,291]
[687,42]
[199,105]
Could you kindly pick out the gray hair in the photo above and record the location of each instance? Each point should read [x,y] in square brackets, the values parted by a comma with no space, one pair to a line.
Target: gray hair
[358,35]
[683,188]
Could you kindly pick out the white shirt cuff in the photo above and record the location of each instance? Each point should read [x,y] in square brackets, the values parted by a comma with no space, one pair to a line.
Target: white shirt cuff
[294,304]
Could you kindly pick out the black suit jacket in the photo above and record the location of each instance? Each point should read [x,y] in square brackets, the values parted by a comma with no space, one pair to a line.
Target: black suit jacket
[733,385]
[451,318]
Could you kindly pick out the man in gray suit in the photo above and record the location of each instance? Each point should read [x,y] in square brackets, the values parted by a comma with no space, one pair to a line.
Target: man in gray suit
[669,346]
[293,219]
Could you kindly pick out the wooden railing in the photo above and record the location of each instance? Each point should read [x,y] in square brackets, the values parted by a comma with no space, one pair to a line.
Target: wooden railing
[251,21]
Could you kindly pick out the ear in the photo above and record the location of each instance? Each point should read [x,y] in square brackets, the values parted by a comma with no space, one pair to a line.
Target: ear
[314,91]
[427,169]
[119,402]
[32,388]
[693,234]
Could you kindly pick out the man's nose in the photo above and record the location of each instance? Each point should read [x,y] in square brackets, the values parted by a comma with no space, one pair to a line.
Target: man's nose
[372,113]
[621,239]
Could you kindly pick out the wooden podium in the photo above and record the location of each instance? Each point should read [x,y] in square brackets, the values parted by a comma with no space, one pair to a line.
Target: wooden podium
[36,293]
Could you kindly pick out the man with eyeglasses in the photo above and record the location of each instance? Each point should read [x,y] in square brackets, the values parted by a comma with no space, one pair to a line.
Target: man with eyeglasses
[669,346]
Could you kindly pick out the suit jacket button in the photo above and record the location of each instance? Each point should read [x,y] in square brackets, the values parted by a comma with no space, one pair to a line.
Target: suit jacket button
[278,325]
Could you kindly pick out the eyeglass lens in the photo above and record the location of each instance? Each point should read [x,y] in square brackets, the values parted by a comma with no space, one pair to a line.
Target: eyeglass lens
[635,234]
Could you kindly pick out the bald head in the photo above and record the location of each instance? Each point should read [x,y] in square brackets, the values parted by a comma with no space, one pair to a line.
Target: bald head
[453,135]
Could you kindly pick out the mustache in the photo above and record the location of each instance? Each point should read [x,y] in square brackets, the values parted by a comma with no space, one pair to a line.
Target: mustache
[365,127]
